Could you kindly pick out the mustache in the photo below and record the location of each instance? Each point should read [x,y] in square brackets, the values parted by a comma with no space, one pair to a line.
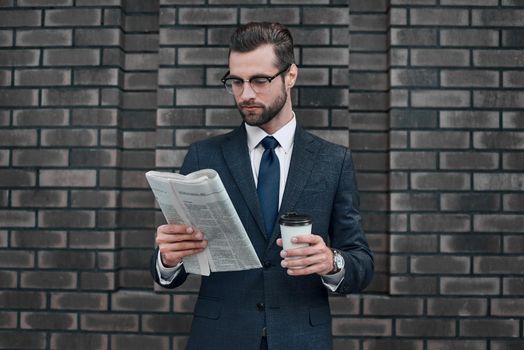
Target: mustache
[250,104]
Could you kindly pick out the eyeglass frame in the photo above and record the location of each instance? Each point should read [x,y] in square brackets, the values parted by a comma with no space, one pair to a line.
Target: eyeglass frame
[225,78]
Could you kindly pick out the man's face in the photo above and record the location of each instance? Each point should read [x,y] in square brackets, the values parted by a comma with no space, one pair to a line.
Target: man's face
[258,108]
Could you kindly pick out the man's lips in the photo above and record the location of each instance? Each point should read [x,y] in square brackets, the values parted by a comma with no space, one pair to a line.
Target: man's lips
[250,108]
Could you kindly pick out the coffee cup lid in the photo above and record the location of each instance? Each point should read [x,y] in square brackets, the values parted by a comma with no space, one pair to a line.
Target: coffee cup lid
[294,219]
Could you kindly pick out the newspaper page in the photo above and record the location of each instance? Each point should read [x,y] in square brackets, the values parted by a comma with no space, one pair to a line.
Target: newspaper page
[200,199]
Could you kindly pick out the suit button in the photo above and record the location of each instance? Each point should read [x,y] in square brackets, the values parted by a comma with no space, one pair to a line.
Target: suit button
[267,264]
[260,306]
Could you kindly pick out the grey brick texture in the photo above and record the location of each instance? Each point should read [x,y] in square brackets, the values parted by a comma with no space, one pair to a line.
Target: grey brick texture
[426,93]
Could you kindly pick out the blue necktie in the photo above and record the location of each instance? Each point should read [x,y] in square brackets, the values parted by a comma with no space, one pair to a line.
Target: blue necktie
[269,183]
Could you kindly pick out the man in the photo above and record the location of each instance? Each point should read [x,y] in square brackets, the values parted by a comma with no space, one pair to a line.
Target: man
[278,306]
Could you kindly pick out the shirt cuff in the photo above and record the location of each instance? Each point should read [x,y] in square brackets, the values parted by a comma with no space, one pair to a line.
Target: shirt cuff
[332,282]
[166,275]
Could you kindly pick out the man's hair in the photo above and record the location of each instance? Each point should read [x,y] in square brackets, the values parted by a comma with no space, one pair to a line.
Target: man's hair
[250,36]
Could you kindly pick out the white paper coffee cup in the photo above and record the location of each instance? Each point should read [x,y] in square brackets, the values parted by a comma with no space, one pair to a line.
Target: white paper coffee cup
[292,225]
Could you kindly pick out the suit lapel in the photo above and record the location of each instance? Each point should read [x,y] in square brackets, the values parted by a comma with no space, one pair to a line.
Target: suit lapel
[302,163]
[237,159]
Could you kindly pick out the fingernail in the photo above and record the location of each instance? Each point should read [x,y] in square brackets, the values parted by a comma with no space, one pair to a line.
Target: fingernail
[283,263]
[283,253]
[189,230]
[294,240]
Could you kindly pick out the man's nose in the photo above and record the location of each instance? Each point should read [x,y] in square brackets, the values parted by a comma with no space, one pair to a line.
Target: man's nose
[247,93]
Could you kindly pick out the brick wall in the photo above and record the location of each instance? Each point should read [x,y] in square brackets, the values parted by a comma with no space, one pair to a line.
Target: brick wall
[95,92]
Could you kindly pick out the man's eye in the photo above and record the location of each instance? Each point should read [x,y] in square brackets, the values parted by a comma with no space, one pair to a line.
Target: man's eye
[259,81]
[236,82]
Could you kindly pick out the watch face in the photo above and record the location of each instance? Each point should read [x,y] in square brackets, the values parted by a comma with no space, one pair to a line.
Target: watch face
[339,260]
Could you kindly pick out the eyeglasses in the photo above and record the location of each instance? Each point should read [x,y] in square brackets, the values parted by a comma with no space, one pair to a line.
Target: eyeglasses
[259,84]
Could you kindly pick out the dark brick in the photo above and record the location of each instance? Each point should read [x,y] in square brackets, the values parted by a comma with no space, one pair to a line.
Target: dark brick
[23,340]
[414,244]
[462,307]
[79,341]
[77,97]
[470,244]
[414,77]
[17,218]
[393,306]
[410,285]
[47,117]
[19,98]
[440,181]
[498,17]
[413,37]
[326,15]
[440,222]
[16,178]
[71,57]
[139,301]
[67,178]
[469,37]
[489,328]
[66,218]
[16,58]
[470,202]
[513,202]
[456,344]
[469,286]
[413,118]
[38,239]
[66,260]
[44,37]
[413,160]
[96,76]
[73,17]
[285,16]
[18,299]
[358,327]
[109,322]
[498,223]
[48,280]
[8,279]
[79,301]
[440,264]
[40,157]
[93,158]
[498,265]
[469,119]
[507,307]
[48,320]
[98,37]
[166,323]
[513,286]
[126,341]
[20,18]
[390,344]
[425,327]
[8,319]
[477,160]
[506,345]
[97,281]
[17,259]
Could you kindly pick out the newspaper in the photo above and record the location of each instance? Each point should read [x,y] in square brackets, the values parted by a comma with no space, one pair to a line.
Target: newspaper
[199,199]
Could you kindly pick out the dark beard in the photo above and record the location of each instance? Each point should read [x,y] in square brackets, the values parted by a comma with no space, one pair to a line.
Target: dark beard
[267,114]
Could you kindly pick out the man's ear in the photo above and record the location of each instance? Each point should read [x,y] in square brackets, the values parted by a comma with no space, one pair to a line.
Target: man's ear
[291,76]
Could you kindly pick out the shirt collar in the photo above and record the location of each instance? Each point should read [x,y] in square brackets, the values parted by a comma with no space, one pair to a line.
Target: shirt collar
[284,135]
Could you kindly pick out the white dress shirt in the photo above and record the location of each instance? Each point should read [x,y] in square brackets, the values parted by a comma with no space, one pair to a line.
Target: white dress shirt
[285,137]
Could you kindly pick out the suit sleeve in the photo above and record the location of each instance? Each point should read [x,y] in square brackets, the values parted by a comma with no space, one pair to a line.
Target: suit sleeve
[346,233]
[190,164]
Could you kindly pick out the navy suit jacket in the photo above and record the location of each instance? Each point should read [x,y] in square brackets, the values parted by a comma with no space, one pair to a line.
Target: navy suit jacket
[234,308]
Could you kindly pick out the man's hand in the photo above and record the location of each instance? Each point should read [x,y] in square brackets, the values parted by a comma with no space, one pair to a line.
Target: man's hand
[317,258]
[177,241]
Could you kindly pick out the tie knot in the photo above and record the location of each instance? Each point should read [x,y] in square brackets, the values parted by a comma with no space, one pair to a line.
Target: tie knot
[269,142]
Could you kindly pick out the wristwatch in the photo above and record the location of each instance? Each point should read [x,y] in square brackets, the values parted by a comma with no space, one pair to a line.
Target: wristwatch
[338,261]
